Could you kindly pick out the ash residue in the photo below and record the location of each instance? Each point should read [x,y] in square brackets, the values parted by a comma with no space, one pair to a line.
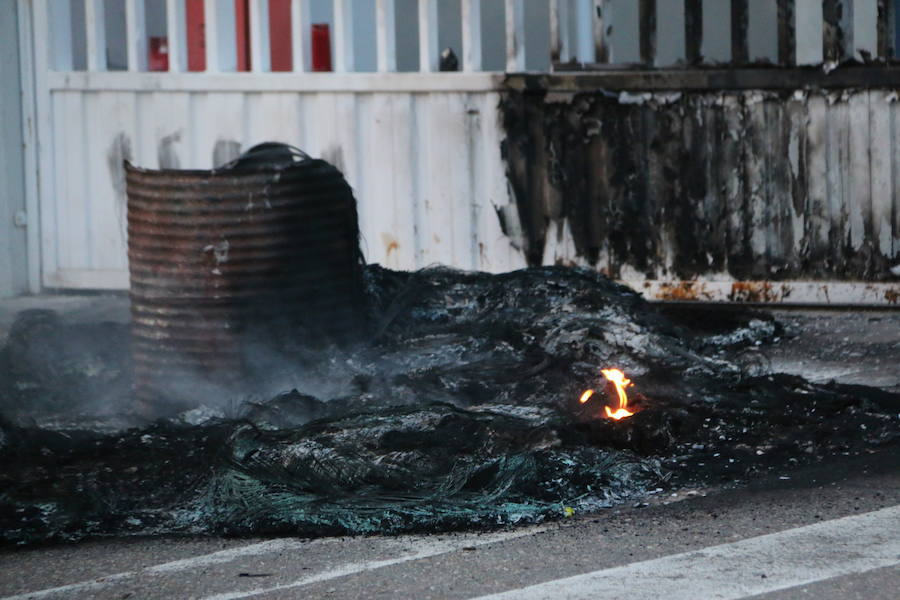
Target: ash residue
[461,411]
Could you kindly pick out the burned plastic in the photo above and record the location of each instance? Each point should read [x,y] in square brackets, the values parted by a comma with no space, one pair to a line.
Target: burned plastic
[461,411]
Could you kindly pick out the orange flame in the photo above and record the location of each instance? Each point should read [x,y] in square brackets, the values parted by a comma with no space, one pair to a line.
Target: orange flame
[619,380]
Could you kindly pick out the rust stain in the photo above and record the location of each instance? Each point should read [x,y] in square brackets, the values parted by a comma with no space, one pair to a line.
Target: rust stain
[390,243]
[892,296]
[684,291]
[758,291]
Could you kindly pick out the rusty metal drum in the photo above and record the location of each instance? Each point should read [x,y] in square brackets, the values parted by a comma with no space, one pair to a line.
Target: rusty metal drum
[264,251]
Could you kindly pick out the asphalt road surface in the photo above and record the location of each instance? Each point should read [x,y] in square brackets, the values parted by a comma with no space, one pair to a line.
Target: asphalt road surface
[827,532]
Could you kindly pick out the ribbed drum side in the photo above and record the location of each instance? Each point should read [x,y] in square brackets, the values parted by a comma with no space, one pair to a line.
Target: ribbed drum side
[215,256]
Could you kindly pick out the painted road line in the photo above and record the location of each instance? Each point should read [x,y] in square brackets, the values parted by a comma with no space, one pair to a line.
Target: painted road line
[184,564]
[737,570]
[425,549]
[428,548]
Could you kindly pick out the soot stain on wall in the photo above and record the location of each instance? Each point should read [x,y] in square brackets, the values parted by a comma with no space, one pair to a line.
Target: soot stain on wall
[681,185]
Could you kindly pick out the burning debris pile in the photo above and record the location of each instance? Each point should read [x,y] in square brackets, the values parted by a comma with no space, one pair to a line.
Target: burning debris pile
[462,408]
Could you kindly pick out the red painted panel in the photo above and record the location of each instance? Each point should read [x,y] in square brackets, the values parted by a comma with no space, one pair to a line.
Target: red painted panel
[196,35]
[242,35]
[280,34]
[321,47]
[158,59]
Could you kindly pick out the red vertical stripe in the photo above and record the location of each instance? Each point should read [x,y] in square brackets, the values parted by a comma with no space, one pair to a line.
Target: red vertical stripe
[321,47]
[242,35]
[196,35]
[280,34]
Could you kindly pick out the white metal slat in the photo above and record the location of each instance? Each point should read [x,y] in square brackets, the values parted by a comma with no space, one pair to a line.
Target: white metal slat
[136,35]
[515,35]
[471,35]
[880,169]
[28,57]
[838,136]
[600,13]
[145,147]
[301,24]
[274,118]
[344,46]
[429,52]
[756,173]
[895,169]
[95,29]
[72,205]
[817,172]
[859,200]
[217,120]
[377,200]
[386,35]
[211,18]
[347,130]
[260,52]
[171,136]
[176,35]
[369,189]
[109,122]
[320,125]
[497,253]
[458,184]
[403,174]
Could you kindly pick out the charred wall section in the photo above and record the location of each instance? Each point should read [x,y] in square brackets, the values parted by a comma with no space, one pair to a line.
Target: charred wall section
[773,185]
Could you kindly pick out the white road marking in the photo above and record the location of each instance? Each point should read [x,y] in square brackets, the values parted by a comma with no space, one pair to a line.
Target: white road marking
[426,549]
[740,569]
[184,564]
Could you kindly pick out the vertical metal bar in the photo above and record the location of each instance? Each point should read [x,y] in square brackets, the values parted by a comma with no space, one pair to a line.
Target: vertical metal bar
[808,32]
[260,53]
[300,30]
[647,22]
[176,36]
[211,34]
[600,18]
[136,35]
[739,19]
[836,34]
[515,36]
[95,26]
[693,31]
[471,35]
[886,28]
[34,66]
[386,35]
[556,28]
[344,47]
[429,53]
[787,39]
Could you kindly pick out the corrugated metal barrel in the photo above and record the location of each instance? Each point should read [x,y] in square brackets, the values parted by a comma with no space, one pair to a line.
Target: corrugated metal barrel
[259,256]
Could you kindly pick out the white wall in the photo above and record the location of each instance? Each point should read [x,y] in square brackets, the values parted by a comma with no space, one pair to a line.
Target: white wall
[13,260]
